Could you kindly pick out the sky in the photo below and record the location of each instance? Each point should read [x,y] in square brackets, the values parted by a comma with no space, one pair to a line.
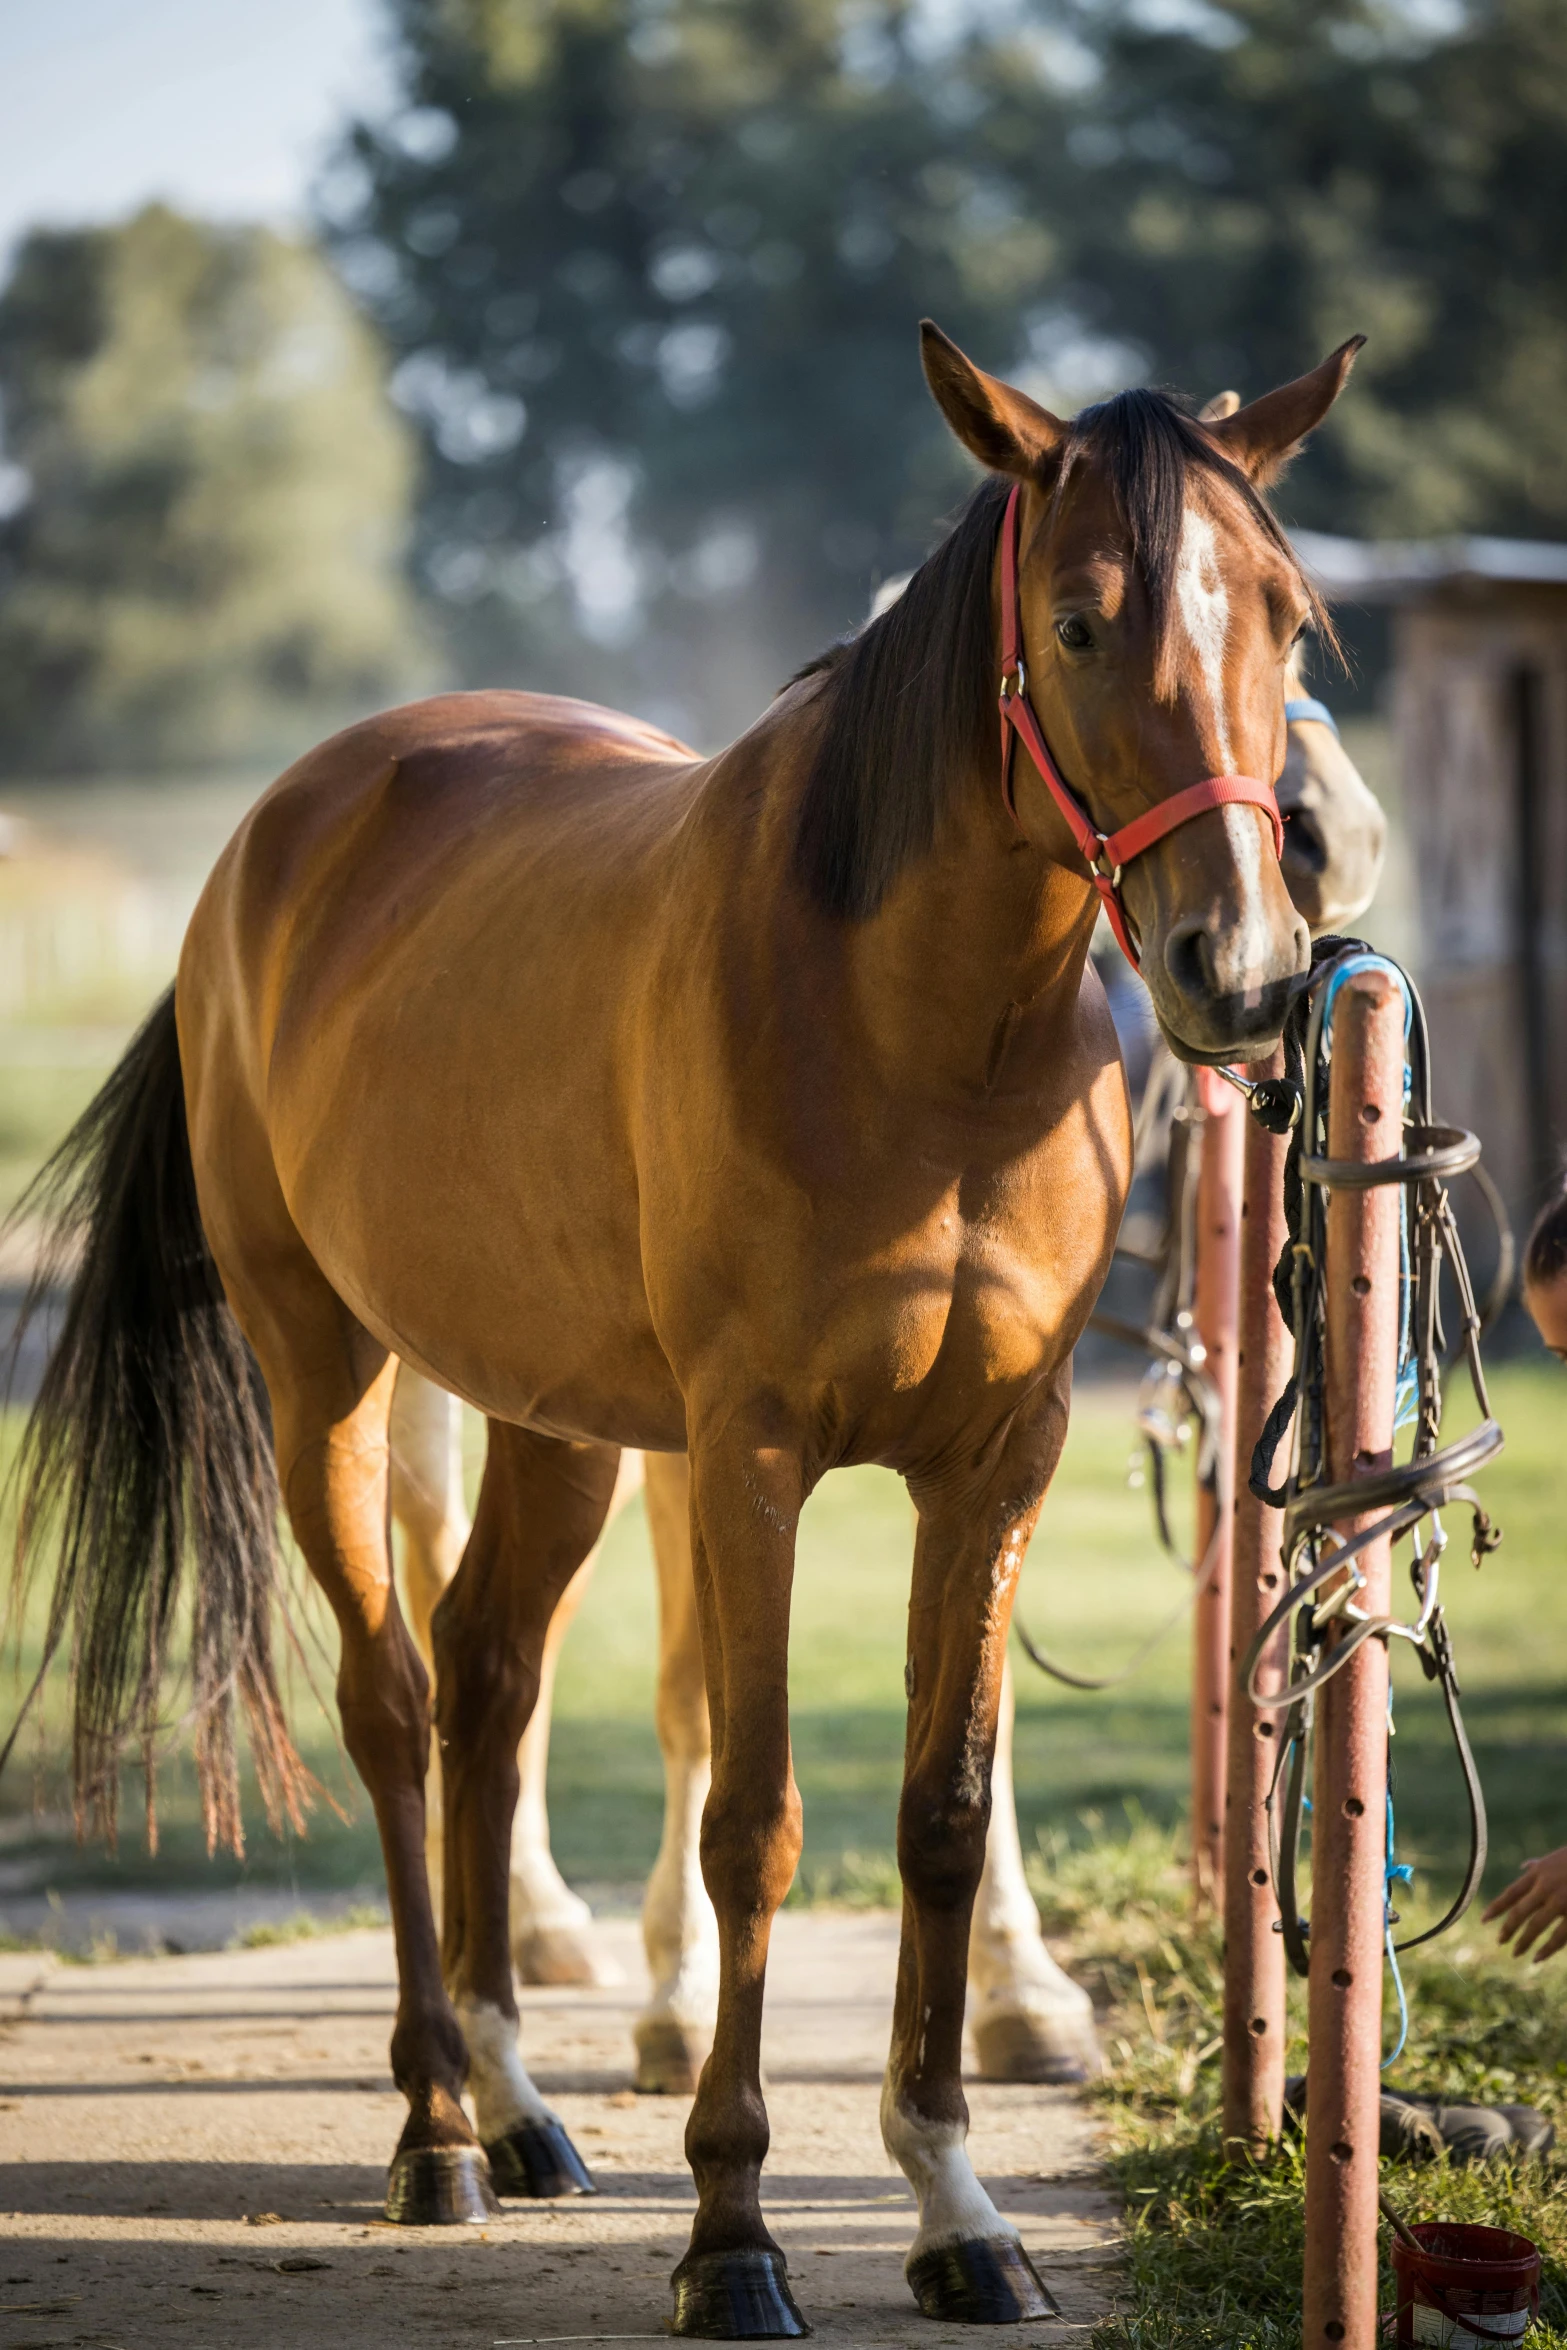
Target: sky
[223,107]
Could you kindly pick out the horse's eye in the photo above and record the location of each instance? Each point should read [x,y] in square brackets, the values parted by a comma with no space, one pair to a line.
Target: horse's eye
[1075,634]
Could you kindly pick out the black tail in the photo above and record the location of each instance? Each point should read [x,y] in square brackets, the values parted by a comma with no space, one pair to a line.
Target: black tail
[150,1446]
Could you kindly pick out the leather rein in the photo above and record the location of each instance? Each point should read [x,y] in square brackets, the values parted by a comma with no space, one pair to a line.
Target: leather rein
[1106,854]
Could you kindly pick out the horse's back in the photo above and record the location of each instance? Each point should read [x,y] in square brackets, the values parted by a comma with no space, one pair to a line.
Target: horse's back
[461,777]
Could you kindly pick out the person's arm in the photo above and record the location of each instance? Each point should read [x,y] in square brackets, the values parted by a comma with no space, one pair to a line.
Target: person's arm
[1535,1903]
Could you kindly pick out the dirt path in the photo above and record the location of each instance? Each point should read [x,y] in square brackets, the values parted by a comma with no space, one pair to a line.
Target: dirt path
[154,2112]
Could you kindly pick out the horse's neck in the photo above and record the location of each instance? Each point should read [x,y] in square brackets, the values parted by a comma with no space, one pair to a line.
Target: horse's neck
[977,952]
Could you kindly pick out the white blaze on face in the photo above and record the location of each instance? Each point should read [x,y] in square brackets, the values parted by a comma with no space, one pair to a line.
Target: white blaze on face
[1204,605]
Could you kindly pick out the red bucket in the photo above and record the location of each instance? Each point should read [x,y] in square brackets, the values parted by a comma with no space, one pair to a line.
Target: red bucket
[1467,2286]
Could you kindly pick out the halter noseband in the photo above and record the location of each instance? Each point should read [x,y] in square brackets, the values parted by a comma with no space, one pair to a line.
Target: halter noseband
[1105,854]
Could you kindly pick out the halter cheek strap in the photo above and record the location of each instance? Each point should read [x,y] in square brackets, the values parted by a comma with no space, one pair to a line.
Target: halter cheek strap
[1105,854]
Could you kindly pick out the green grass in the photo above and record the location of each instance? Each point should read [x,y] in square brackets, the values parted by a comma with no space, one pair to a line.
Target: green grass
[307,1925]
[1213,2248]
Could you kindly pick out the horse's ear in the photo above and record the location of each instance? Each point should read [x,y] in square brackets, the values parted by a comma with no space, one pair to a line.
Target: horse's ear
[1262,438]
[1221,405]
[996,423]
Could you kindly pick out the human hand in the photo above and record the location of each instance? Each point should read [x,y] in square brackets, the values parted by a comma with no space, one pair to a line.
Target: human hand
[1535,1903]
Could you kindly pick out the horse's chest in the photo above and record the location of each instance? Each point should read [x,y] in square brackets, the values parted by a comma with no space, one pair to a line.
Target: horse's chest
[981,1295]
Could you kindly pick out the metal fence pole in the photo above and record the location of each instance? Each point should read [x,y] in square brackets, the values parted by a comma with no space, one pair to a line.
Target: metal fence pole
[1253,1951]
[1349,1803]
[1215,1308]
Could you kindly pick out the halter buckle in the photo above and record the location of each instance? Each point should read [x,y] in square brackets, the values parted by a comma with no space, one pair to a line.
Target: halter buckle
[1014,681]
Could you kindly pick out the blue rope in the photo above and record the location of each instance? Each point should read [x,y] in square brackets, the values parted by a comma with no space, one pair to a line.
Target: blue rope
[1307,707]
[1394,1872]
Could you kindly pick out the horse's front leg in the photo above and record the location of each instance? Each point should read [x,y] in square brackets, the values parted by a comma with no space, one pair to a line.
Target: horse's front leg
[732,2284]
[967,2264]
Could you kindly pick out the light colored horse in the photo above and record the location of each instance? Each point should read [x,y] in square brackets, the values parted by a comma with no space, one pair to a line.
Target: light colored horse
[1027,2019]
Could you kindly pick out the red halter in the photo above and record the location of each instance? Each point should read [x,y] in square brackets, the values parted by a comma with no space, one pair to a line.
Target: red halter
[1105,854]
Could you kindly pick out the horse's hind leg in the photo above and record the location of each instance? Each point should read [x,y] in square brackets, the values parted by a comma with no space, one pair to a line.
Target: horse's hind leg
[679,1927]
[552,1936]
[542,1506]
[1030,2021]
[331,1391]
[551,1927]
[427,1502]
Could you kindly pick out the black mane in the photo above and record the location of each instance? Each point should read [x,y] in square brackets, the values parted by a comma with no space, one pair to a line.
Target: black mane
[908,699]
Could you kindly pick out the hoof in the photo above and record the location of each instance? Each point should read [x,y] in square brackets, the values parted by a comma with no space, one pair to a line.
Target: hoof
[669,2058]
[439,2187]
[735,2297]
[538,2159]
[560,1955]
[991,2283]
[1024,2047]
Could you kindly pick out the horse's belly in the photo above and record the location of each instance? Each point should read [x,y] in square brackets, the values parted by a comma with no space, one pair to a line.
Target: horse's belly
[619,1395]
[502,1322]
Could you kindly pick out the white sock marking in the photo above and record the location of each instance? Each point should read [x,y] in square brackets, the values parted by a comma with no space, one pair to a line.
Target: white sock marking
[503,2095]
[954,2208]
[679,1926]
[1010,1971]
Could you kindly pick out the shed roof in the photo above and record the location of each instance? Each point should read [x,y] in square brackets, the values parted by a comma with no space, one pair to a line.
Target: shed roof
[1390,571]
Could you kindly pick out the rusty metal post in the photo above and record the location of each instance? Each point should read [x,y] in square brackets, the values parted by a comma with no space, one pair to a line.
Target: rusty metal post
[1349,1799]
[1215,1308]
[1253,1952]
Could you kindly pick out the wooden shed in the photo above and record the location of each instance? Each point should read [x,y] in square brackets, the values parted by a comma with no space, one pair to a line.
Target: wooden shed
[1479,711]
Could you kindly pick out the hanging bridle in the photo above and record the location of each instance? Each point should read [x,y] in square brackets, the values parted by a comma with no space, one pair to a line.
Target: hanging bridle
[1105,854]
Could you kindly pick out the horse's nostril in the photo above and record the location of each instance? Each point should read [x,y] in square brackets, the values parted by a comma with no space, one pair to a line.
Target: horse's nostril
[1303,843]
[1189,959]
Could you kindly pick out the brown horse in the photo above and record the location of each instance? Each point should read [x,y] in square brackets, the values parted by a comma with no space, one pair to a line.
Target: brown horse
[763,1108]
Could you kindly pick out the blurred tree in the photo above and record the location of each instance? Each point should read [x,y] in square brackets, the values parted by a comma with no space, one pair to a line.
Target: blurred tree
[1260,178]
[651,270]
[654,273]
[208,496]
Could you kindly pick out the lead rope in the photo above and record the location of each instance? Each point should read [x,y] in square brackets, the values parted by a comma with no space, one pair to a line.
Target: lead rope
[1411,1495]
[1178,1397]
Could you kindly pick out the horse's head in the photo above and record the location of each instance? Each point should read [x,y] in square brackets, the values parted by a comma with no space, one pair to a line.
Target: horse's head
[1160,604]
[1335,833]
